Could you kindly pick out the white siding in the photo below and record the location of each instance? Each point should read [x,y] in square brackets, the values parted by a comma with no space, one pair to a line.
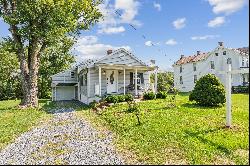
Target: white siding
[64,77]
[203,67]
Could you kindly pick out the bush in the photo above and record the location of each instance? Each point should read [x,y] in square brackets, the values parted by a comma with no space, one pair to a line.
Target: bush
[129,97]
[208,91]
[93,104]
[121,98]
[112,99]
[161,95]
[133,107]
[149,96]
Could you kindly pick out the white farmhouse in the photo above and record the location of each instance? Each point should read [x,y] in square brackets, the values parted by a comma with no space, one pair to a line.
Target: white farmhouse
[118,72]
[187,70]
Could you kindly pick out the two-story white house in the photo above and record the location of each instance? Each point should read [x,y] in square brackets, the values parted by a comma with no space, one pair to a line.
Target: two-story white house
[188,69]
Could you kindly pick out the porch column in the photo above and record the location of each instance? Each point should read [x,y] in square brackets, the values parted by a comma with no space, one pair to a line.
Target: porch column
[100,81]
[52,94]
[156,80]
[124,81]
[136,82]
[55,93]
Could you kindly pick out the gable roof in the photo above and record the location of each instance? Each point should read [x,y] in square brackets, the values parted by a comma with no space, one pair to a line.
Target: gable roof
[113,58]
[195,58]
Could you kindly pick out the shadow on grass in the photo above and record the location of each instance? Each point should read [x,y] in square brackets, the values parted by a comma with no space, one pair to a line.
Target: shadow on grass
[200,136]
[194,105]
[64,106]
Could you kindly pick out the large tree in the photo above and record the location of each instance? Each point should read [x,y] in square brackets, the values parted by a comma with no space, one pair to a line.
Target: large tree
[38,24]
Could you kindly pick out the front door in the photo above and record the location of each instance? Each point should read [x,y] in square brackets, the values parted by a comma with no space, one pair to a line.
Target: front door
[111,80]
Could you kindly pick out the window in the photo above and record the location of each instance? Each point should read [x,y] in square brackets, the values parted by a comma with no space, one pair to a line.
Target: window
[72,74]
[140,78]
[194,66]
[180,69]
[216,54]
[212,64]
[243,62]
[247,62]
[83,80]
[224,53]
[181,81]
[195,78]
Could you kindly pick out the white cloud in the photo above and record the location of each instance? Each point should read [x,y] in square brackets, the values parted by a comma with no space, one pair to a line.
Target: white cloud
[148,43]
[227,6]
[216,22]
[87,47]
[205,37]
[111,30]
[129,8]
[87,40]
[157,6]
[111,21]
[179,23]
[171,42]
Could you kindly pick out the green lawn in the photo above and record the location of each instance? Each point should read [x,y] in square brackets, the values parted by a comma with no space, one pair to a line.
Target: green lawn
[14,121]
[187,134]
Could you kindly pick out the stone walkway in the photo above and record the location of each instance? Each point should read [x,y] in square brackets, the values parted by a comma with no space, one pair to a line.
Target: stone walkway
[65,139]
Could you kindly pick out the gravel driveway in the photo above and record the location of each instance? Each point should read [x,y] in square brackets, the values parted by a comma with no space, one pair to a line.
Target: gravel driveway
[66,139]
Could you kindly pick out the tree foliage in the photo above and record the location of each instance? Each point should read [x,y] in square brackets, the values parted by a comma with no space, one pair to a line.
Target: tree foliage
[208,91]
[55,59]
[36,25]
[165,81]
[9,73]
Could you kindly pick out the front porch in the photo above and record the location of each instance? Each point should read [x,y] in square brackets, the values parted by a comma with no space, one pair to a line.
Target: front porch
[122,79]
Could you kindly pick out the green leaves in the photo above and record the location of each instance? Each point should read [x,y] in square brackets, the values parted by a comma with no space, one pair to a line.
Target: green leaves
[208,91]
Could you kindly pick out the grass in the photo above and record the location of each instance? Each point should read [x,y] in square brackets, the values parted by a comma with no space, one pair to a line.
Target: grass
[186,134]
[14,121]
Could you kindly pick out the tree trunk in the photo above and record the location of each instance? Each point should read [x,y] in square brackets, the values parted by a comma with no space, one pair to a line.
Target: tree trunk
[29,82]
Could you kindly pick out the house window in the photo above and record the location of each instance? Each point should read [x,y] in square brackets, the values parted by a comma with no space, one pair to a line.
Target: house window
[180,69]
[194,66]
[224,53]
[212,64]
[216,54]
[181,81]
[195,78]
[247,62]
[243,62]
[140,78]
[72,74]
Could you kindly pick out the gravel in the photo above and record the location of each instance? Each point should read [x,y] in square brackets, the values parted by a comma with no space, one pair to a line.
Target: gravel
[65,139]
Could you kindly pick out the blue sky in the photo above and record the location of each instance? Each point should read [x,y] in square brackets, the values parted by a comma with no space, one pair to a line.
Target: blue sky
[174,27]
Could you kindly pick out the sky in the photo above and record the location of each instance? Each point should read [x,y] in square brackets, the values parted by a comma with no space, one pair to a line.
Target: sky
[162,30]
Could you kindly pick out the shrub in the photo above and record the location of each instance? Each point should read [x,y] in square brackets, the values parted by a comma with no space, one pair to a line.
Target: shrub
[161,95]
[93,104]
[121,98]
[208,91]
[129,97]
[149,96]
[112,99]
[134,108]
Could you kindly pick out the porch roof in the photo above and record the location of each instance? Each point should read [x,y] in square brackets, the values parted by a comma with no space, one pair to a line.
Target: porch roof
[66,84]
[127,67]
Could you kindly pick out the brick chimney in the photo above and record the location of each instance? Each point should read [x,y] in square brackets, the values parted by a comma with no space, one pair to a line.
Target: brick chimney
[198,52]
[221,44]
[109,52]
